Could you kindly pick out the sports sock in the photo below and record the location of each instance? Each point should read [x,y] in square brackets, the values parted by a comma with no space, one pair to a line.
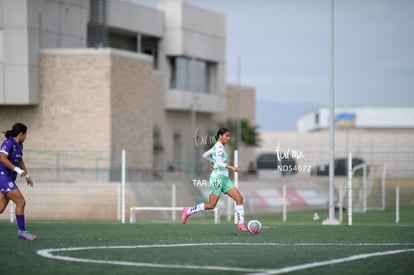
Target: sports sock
[239,209]
[20,222]
[195,209]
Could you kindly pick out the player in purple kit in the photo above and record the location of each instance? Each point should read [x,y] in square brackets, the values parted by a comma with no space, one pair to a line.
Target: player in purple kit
[11,164]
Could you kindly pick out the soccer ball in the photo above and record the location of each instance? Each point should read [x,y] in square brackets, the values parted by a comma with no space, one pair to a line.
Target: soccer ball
[254,226]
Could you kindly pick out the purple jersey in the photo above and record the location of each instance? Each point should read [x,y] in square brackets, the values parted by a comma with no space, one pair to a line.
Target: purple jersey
[14,152]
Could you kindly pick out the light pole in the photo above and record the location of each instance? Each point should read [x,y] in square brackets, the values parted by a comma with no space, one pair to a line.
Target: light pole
[331,217]
[239,126]
[194,97]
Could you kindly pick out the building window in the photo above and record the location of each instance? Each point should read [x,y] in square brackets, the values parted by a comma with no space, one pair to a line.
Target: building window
[123,40]
[149,45]
[190,74]
[177,152]
[316,119]
[132,42]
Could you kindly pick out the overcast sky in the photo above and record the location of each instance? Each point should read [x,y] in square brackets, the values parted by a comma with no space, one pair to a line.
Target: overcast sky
[284,46]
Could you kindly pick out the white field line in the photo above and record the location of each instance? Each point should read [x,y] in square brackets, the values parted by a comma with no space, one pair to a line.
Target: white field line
[48,253]
[331,262]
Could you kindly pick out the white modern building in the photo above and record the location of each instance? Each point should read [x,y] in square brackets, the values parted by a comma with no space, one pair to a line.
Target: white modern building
[135,77]
[365,117]
[379,135]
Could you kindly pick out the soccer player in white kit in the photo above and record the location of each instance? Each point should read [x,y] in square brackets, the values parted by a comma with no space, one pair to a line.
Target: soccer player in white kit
[219,181]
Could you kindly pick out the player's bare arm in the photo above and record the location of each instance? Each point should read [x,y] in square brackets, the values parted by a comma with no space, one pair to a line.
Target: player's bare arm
[29,180]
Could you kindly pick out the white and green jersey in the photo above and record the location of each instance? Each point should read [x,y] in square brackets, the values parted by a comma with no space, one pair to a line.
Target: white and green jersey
[218,156]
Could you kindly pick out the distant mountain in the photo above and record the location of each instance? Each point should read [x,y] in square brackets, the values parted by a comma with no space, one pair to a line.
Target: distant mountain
[274,116]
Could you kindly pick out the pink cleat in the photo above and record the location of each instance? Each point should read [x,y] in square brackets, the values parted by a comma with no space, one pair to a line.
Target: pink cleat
[25,235]
[242,227]
[185,215]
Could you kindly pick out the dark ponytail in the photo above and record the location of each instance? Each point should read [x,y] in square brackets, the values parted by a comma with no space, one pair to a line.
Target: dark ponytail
[16,129]
[221,132]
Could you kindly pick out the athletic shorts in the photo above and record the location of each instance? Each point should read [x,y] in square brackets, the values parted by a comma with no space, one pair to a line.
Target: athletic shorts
[7,184]
[220,184]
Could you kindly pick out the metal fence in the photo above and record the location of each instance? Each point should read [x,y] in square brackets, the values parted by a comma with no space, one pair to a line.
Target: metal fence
[87,185]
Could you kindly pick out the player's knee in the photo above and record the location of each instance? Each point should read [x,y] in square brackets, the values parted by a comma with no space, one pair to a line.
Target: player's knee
[3,204]
[20,203]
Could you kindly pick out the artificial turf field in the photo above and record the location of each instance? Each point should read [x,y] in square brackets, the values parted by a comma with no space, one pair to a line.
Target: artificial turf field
[201,247]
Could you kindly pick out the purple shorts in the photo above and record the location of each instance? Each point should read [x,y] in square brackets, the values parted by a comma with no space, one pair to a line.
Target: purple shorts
[7,184]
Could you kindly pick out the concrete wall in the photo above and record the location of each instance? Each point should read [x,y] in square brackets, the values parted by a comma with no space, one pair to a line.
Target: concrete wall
[73,104]
[133,87]
[189,150]
[355,140]
[194,32]
[16,77]
[58,23]
[92,100]
[28,26]
[75,100]
[135,18]
[241,102]
[184,100]
[75,201]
